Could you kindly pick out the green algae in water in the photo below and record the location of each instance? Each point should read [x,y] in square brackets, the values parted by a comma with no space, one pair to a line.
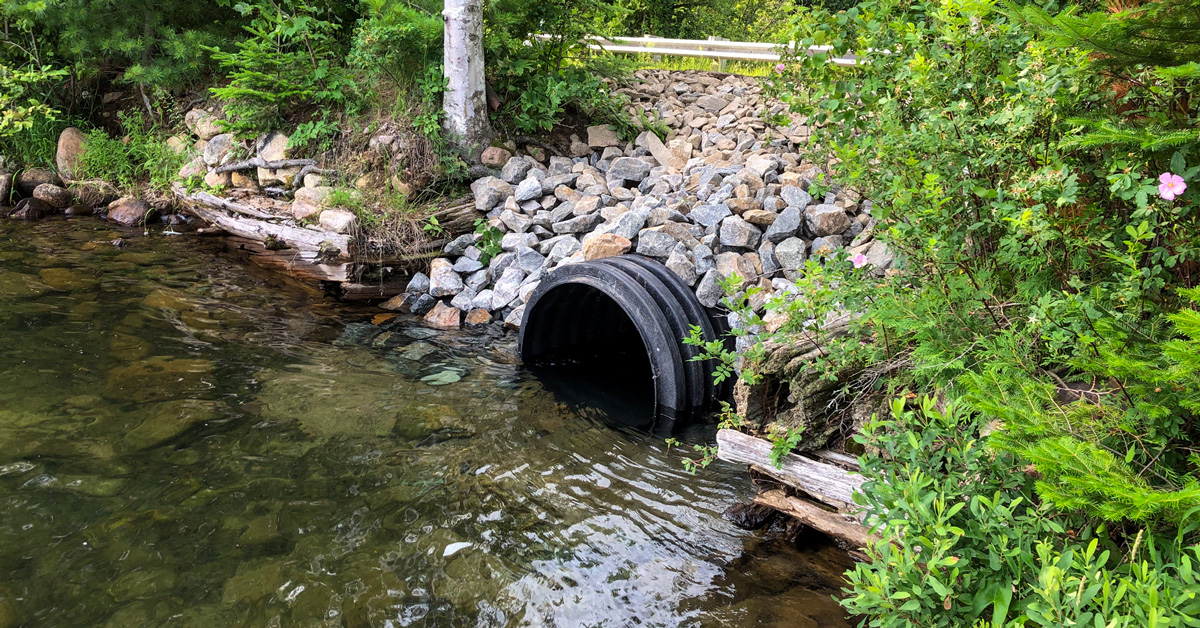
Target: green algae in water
[189,441]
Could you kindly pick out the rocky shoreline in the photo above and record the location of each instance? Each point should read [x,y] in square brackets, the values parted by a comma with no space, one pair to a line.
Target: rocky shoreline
[727,193]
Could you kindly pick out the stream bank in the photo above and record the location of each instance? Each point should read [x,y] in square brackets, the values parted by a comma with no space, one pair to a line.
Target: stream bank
[727,195]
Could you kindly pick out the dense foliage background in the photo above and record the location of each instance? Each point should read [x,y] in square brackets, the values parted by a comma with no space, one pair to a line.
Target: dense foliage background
[1028,161]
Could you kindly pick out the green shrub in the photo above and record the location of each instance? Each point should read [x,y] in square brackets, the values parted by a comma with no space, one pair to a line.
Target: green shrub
[141,158]
[964,540]
[291,60]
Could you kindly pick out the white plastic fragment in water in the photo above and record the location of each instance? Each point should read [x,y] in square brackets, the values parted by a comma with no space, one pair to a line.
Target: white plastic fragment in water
[454,548]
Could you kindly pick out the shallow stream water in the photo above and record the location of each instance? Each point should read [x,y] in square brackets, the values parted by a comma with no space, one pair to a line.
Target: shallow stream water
[188,441]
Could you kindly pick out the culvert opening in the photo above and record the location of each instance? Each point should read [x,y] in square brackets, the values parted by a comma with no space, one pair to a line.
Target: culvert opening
[623,319]
[590,353]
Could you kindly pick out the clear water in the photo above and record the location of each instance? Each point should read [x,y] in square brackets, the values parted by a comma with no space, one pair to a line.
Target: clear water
[188,441]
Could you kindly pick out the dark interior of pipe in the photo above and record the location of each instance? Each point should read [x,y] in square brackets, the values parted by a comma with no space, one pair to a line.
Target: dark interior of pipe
[586,349]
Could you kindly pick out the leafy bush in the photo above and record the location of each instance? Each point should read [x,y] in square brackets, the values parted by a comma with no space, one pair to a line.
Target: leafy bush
[1028,167]
[140,158]
[398,40]
[964,540]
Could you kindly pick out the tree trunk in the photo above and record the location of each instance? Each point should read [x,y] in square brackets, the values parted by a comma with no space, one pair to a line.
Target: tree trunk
[465,99]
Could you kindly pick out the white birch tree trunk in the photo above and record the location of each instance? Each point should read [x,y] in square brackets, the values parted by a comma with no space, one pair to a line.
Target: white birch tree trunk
[465,99]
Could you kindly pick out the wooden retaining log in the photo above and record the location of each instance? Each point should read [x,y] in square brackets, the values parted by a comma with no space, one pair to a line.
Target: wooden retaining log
[215,211]
[831,523]
[825,482]
[831,483]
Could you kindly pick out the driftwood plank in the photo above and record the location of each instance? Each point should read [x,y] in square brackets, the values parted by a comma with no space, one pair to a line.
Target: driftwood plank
[292,237]
[817,518]
[828,483]
[259,162]
[304,265]
[216,202]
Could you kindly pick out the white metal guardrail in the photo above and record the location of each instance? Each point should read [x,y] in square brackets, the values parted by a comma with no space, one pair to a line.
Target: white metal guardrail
[718,49]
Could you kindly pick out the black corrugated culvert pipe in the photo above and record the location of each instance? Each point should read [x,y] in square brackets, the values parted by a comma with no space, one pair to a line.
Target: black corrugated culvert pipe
[626,314]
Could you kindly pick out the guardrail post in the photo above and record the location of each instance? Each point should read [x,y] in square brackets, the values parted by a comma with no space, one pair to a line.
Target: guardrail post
[720,61]
[653,58]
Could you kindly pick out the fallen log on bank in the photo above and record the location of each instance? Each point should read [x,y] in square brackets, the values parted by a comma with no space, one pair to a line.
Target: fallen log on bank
[831,523]
[215,211]
[259,162]
[825,482]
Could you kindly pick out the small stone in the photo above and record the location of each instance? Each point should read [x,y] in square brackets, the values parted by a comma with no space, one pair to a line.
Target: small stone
[759,217]
[880,257]
[826,220]
[314,180]
[605,245]
[202,123]
[338,220]
[629,169]
[129,211]
[515,169]
[738,233]
[795,196]
[826,245]
[71,145]
[514,241]
[586,205]
[238,179]
[507,287]
[490,192]
[443,281]
[423,304]
[193,168]
[495,156]
[654,243]
[563,249]
[581,224]
[730,264]
[683,267]
[529,260]
[703,256]
[53,195]
[483,299]
[478,316]
[462,300]
[217,148]
[528,190]
[466,265]
[791,256]
[708,215]
[785,226]
[419,284]
[602,135]
[515,317]
[443,316]
[766,256]
[214,179]
[761,164]
[458,246]
[709,291]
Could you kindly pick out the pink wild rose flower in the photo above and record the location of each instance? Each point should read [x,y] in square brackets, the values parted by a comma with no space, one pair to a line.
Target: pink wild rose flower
[859,260]
[780,68]
[1170,185]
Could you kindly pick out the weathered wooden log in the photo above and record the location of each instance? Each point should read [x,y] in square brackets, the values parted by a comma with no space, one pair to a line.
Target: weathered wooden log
[458,217]
[825,482]
[217,202]
[326,243]
[377,291]
[308,266]
[259,162]
[817,518]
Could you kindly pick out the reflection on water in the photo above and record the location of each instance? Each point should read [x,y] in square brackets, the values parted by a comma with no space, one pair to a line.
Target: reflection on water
[187,442]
